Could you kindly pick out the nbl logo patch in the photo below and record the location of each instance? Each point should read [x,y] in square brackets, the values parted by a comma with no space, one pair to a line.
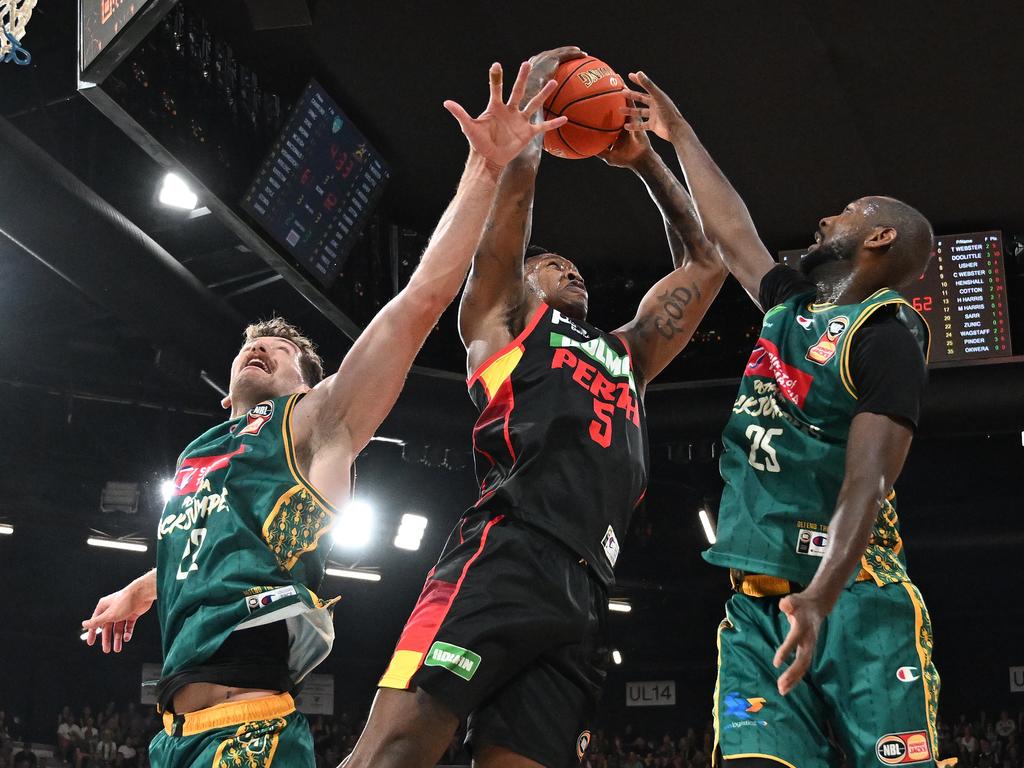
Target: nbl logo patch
[903,748]
[257,418]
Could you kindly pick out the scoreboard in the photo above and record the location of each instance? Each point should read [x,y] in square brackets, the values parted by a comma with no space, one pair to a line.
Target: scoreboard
[316,189]
[961,295]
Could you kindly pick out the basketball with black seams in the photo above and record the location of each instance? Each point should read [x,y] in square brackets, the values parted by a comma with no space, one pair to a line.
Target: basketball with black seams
[590,93]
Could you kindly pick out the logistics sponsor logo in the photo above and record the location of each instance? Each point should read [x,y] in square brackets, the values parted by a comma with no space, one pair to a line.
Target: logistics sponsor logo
[743,710]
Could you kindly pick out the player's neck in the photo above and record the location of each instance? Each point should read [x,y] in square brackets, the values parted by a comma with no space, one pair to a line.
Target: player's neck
[839,283]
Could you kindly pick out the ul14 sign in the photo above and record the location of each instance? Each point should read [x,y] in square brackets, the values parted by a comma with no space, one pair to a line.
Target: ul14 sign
[651,693]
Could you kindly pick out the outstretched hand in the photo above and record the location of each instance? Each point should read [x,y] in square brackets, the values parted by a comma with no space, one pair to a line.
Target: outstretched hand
[503,129]
[630,147]
[805,615]
[652,109]
[114,617]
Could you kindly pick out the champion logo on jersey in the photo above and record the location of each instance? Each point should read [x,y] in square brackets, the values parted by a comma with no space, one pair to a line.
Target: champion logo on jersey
[805,322]
[907,674]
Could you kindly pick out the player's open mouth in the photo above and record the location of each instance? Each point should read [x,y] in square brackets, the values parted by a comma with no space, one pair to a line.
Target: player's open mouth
[578,287]
[258,364]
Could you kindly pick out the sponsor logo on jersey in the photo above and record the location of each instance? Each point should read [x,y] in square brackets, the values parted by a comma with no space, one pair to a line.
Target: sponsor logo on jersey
[765,360]
[811,543]
[804,322]
[193,471]
[825,348]
[257,418]
[263,599]
[907,674]
[582,742]
[557,317]
[743,710]
[903,748]
[459,661]
[610,544]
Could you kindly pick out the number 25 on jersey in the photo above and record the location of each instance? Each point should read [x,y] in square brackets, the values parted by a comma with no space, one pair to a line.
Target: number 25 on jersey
[761,445]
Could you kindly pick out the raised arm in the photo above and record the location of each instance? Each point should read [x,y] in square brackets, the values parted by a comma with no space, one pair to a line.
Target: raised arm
[669,313]
[875,453]
[495,284]
[726,219]
[344,411]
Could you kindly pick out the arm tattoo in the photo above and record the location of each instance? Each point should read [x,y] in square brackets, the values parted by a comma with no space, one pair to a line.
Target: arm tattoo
[669,321]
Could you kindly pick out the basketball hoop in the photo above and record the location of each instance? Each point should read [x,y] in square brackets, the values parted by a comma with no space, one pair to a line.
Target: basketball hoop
[14,16]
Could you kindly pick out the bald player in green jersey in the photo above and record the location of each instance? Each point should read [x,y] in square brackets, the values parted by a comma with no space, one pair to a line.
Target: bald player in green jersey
[807,525]
[239,553]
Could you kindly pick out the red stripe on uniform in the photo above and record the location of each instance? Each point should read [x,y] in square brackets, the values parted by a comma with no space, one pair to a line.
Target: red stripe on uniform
[434,603]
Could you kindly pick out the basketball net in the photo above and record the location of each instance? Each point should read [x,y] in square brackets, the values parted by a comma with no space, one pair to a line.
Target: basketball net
[14,16]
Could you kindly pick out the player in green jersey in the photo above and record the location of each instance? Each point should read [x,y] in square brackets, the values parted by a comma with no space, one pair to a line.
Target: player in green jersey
[818,434]
[238,544]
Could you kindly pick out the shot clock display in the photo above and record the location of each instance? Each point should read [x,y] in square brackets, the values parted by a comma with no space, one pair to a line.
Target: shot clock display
[318,186]
[962,296]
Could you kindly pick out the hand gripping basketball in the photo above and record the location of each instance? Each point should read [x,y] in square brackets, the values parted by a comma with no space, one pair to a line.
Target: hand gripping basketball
[503,129]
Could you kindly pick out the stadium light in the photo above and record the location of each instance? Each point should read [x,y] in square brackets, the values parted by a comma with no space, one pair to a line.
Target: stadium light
[167,489]
[410,532]
[176,193]
[354,525]
[619,606]
[705,521]
[352,573]
[6,529]
[616,656]
[132,546]
[84,636]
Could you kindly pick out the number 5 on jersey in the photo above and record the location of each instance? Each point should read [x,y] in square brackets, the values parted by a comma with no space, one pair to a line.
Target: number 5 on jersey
[761,440]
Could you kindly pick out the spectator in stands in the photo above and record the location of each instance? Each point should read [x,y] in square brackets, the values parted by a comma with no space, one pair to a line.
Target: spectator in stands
[68,735]
[106,750]
[968,746]
[127,755]
[26,758]
[1005,725]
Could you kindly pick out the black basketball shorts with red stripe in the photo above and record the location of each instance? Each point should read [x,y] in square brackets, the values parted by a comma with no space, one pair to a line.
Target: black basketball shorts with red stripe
[510,631]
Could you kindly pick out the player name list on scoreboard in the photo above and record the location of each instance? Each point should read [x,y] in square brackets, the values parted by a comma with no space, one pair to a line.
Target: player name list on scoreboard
[317,186]
[963,298]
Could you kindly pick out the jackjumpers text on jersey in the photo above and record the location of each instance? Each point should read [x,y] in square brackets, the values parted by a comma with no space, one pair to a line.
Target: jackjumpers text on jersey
[237,544]
[561,442]
[785,443]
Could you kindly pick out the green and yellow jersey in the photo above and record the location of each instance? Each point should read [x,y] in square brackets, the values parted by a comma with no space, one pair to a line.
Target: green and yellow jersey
[239,544]
[785,442]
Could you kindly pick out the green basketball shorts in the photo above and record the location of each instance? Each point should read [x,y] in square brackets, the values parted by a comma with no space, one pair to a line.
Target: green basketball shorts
[871,685]
[256,733]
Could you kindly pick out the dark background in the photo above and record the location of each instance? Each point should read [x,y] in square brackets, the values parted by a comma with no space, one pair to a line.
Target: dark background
[805,105]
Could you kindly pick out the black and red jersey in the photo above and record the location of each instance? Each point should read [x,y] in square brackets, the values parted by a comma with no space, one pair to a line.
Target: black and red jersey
[561,442]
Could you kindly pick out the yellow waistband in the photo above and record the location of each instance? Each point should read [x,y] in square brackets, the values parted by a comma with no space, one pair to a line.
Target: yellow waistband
[229,713]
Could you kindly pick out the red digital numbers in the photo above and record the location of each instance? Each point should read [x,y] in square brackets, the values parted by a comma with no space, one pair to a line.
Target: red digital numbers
[922,304]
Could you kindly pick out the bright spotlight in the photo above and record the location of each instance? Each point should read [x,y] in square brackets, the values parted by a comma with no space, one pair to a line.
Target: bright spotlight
[354,525]
[616,656]
[6,529]
[705,521]
[84,636]
[619,606]
[166,490]
[131,546]
[410,532]
[176,193]
[352,573]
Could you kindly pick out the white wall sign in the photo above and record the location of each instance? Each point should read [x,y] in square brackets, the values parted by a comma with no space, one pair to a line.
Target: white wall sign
[651,693]
[1016,679]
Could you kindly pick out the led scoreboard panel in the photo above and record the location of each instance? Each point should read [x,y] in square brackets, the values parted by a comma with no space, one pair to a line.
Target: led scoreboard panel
[962,296]
[317,187]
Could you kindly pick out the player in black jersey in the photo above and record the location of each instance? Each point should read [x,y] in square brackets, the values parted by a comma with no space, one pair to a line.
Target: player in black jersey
[510,627]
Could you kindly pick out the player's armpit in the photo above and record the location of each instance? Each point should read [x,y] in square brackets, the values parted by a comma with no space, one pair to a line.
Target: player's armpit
[669,314]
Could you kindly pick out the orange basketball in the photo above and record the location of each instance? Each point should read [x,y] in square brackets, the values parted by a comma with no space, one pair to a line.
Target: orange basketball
[590,94]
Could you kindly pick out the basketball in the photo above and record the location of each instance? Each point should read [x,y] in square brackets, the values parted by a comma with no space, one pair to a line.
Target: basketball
[590,94]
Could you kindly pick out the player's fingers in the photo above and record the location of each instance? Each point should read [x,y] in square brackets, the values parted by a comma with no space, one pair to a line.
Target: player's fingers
[90,638]
[794,674]
[519,86]
[107,632]
[569,52]
[118,633]
[637,126]
[635,111]
[637,95]
[540,98]
[790,644]
[459,114]
[129,628]
[494,77]
[646,83]
[550,125]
